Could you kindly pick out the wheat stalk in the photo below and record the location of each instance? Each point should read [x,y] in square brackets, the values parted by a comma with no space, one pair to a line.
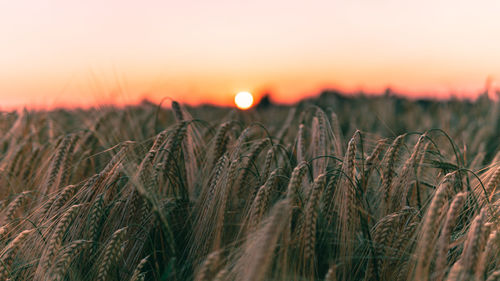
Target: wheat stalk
[56,239]
[429,230]
[57,162]
[444,239]
[209,267]
[11,252]
[66,257]
[311,217]
[111,253]
[138,274]
[389,163]
[14,206]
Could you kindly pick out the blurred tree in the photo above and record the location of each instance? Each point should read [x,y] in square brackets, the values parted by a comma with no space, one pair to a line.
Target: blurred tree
[265,102]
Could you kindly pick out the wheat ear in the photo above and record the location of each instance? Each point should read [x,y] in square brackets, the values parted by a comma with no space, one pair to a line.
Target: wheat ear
[66,257]
[12,249]
[430,229]
[111,253]
[138,274]
[58,234]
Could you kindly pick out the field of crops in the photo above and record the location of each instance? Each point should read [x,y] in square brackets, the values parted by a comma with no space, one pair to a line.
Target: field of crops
[333,188]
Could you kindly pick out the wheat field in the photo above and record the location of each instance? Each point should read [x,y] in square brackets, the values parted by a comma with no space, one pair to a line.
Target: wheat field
[332,188]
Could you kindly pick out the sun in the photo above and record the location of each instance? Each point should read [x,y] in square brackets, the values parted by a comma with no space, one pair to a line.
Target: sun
[243,100]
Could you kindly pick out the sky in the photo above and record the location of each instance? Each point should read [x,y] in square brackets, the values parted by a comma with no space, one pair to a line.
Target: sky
[80,53]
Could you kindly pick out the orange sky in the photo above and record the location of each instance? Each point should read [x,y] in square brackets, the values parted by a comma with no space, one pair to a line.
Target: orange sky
[89,52]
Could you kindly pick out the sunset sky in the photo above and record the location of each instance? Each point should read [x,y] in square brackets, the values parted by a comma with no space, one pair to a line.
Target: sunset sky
[59,52]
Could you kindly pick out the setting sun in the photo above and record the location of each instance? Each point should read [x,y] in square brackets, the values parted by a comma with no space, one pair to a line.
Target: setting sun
[243,100]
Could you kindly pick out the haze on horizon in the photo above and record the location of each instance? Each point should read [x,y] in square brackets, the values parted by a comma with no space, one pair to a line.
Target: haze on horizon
[89,52]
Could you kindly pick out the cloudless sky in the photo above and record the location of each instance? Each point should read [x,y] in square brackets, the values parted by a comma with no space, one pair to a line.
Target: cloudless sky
[85,52]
